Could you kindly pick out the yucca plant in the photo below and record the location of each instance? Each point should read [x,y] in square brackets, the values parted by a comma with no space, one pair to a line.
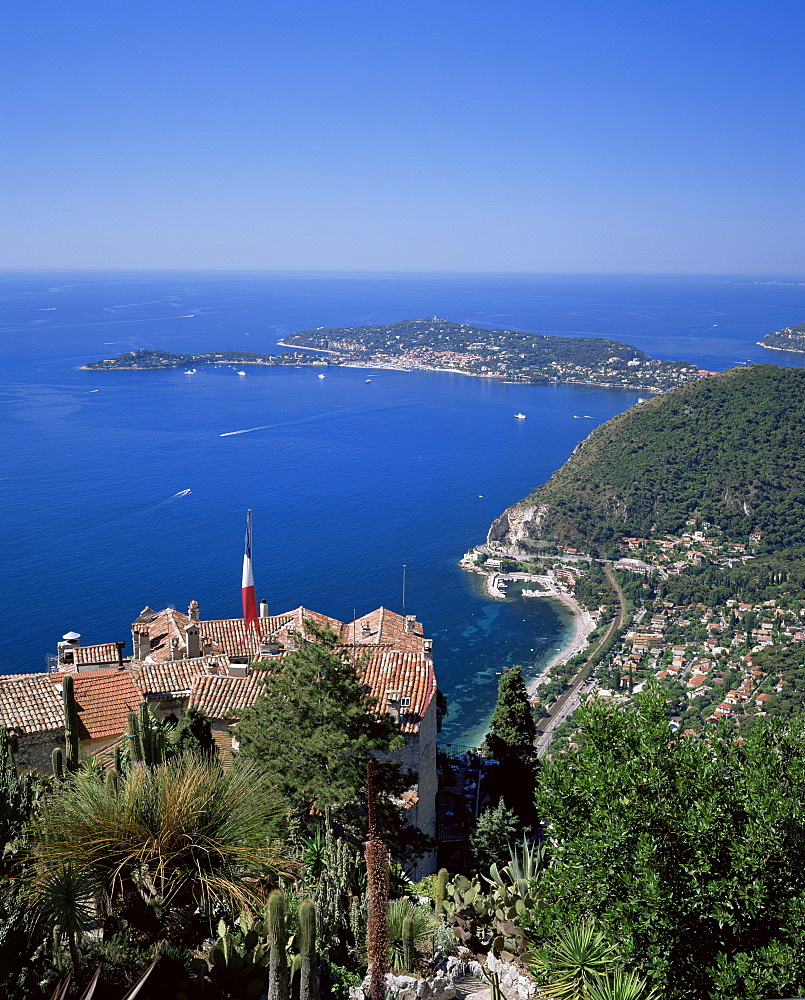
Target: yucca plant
[62,898]
[422,925]
[176,838]
[620,985]
[578,957]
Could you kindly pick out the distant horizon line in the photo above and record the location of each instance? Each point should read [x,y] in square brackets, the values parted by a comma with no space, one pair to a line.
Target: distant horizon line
[760,275]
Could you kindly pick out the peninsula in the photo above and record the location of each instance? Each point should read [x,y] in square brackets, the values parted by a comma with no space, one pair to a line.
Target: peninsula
[792,338]
[439,345]
[678,525]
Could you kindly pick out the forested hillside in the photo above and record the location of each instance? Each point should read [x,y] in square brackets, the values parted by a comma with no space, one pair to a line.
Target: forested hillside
[728,450]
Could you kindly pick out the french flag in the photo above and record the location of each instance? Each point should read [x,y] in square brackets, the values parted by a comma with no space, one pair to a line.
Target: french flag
[247,585]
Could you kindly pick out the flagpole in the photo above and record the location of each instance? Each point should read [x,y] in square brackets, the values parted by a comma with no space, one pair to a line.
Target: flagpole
[247,585]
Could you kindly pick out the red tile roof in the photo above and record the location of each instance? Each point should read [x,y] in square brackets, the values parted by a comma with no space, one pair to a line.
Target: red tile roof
[31,703]
[408,674]
[172,677]
[107,652]
[224,697]
[104,699]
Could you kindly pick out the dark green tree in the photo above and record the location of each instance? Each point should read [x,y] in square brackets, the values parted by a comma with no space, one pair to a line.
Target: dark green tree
[688,853]
[19,798]
[193,733]
[497,827]
[313,730]
[510,741]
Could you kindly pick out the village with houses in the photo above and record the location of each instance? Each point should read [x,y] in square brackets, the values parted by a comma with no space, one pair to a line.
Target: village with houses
[734,657]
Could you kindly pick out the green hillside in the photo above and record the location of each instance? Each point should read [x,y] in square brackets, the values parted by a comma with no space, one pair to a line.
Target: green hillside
[729,449]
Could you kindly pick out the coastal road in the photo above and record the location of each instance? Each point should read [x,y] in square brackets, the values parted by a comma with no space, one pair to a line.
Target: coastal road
[568,701]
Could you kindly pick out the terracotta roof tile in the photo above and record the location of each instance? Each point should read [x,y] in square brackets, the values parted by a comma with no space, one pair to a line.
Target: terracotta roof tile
[174,677]
[107,652]
[30,702]
[410,675]
[104,700]
[224,697]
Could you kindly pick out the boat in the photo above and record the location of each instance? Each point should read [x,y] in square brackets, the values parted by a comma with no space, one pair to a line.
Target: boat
[191,372]
[322,376]
[240,373]
[519,416]
[368,381]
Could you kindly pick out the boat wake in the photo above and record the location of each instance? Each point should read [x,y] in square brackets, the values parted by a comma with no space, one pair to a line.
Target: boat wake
[248,430]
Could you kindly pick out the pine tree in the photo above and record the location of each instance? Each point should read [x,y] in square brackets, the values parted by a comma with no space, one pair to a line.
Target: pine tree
[313,730]
[510,741]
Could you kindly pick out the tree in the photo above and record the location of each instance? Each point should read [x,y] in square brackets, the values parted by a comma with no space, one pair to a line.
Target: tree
[19,798]
[313,730]
[510,741]
[193,733]
[491,839]
[688,853]
[165,844]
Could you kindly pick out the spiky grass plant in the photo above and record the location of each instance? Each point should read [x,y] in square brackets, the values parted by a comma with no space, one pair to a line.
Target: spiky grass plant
[419,932]
[579,956]
[185,834]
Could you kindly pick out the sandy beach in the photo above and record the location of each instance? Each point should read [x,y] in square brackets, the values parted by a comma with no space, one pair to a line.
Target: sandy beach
[583,625]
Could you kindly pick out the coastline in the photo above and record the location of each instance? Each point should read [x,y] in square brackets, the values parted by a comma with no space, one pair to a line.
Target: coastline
[582,621]
[786,350]
[583,625]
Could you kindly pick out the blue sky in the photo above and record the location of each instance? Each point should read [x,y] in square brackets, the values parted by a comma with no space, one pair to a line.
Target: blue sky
[451,135]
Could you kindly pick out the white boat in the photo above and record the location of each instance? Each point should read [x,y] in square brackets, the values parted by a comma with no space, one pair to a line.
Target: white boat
[519,416]
[322,376]
[368,380]
[240,373]
[191,372]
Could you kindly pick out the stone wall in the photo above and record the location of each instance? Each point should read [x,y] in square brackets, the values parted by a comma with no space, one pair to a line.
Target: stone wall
[34,750]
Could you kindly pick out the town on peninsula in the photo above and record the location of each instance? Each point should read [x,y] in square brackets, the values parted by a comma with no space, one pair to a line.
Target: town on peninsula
[434,344]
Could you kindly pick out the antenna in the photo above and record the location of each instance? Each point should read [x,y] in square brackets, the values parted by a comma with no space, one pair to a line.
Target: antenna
[403,589]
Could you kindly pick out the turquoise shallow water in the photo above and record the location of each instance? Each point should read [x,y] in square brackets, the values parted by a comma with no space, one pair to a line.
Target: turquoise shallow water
[348,480]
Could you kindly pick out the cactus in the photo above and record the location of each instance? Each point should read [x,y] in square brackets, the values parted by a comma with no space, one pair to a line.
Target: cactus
[70,723]
[146,733]
[308,982]
[57,762]
[112,782]
[239,960]
[118,762]
[147,743]
[494,983]
[278,980]
[441,891]
[135,741]
[409,947]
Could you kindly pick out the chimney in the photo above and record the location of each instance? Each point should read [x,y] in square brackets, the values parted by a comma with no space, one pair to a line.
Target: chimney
[264,608]
[141,642]
[120,648]
[365,630]
[410,622]
[427,648]
[192,611]
[193,644]
[69,642]
[176,653]
[393,704]
[206,646]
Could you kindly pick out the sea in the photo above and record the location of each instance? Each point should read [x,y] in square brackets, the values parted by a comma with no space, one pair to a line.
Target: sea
[122,489]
